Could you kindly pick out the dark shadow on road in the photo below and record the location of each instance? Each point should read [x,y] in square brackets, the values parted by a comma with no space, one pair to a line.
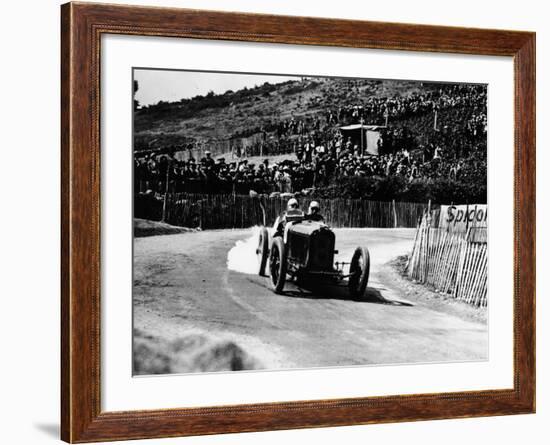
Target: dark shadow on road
[339,292]
[375,296]
[328,291]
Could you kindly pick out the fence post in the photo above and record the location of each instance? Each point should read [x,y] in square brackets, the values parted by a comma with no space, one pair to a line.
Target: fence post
[263,211]
[165,201]
[200,214]
[394,214]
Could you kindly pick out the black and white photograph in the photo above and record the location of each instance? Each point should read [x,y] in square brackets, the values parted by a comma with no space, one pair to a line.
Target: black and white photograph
[264,223]
[296,222]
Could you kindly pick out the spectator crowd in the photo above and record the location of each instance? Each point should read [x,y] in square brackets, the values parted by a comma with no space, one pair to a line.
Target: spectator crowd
[432,135]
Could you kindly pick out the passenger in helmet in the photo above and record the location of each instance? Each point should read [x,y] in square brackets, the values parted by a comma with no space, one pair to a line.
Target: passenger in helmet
[313,213]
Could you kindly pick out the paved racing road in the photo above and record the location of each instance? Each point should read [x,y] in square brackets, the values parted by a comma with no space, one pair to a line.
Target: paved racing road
[183,283]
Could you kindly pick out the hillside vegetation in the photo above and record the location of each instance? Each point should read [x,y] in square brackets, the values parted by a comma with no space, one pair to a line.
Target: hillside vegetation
[243,112]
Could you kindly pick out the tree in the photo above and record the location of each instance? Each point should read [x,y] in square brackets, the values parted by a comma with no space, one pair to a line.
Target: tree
[136,88]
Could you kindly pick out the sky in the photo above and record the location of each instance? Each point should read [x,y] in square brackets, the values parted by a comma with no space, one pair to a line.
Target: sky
[169,86]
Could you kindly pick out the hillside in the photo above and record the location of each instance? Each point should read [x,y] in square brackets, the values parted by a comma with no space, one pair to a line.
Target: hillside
[240,113]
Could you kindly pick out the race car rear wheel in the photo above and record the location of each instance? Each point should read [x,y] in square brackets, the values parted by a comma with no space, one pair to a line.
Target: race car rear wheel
[359,270]
[263,250]
[277,264]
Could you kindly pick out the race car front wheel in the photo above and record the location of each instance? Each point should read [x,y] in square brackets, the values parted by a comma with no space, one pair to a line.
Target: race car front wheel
[359,270]
[277,264]
[263,250]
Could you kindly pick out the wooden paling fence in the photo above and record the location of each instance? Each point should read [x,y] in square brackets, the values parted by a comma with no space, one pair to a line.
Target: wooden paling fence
[223,211]
[454,263]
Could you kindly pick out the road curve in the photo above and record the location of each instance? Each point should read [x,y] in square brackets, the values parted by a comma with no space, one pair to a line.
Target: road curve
[182,283]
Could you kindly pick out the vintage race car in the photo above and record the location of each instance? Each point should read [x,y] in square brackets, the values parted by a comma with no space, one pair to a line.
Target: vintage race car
[304,251]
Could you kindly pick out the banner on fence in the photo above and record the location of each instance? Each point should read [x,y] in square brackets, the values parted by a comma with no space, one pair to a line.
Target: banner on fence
[462,217]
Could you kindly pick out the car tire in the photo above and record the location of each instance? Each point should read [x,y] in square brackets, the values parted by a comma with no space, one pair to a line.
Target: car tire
[359,270]
[263,250]
[277,264]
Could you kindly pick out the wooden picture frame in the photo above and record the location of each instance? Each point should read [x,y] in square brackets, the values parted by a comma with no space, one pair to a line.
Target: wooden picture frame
[82,26]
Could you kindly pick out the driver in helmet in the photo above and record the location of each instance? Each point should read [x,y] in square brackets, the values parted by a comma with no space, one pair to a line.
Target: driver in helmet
[293,212]
[292,207]
[313,213]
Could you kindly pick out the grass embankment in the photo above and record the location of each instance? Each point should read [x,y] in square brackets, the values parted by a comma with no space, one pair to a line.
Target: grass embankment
[145,227]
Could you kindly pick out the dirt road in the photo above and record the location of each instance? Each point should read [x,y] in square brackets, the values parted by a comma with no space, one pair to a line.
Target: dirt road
[182,284]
